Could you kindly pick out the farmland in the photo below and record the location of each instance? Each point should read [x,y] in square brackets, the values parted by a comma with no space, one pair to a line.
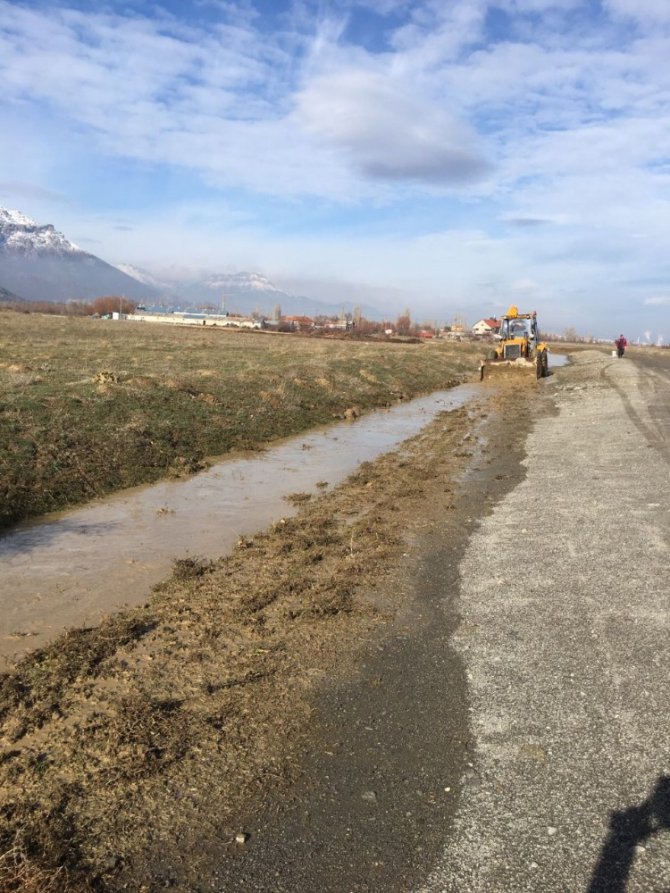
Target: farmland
[92,406]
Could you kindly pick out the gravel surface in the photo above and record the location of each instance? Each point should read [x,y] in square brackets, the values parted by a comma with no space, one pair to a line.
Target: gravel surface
[564,636]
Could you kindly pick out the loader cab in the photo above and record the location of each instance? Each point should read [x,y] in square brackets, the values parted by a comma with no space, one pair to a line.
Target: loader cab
[518,327]
[518,336]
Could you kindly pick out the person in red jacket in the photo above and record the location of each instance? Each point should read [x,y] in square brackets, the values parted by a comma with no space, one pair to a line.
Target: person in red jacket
[621,345]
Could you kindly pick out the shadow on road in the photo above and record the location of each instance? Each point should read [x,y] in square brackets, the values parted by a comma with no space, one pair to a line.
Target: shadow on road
[629,829]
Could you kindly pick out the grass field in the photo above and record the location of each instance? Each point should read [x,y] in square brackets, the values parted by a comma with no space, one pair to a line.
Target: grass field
[92,406]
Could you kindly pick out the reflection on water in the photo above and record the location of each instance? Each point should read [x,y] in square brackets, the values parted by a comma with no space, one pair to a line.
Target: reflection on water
[70,569]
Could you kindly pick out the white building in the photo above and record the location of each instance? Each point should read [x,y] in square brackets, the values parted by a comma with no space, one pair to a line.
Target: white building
[487,326]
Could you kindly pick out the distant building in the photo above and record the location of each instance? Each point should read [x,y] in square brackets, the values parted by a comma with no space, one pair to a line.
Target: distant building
[489,326]
[186,318]
[299,322]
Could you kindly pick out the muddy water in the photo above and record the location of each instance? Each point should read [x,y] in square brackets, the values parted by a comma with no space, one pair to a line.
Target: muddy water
[70,569]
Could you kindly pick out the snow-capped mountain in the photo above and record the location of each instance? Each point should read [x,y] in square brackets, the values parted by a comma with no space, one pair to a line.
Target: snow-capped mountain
[247,292]
[240,293]
[21,234]
[237,292]
[234,292]
[40,264]
[245,281]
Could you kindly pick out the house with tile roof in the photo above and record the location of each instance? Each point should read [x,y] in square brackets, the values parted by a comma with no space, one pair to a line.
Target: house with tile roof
[489,326]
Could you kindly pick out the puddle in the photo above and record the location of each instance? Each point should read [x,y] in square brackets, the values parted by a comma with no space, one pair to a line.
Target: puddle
[71,569]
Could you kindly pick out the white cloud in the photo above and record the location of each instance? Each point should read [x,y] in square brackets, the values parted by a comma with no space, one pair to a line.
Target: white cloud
[525,286]
[386,132]
[658,301]
[526,6]
[145,90]
[646,11]
[17,189]
[154,91]
[439,32]
[383,7]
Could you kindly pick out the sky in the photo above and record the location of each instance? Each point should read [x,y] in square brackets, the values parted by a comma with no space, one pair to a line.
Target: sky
[450,156]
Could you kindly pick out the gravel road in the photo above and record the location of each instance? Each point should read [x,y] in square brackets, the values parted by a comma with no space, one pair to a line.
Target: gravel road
[564,634]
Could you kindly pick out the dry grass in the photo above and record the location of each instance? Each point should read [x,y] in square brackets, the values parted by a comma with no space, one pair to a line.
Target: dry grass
[19,874]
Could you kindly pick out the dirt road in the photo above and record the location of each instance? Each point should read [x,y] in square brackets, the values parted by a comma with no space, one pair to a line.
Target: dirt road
[512,733]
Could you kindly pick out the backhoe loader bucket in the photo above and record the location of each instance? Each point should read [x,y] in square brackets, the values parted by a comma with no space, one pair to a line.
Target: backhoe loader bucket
[520,369]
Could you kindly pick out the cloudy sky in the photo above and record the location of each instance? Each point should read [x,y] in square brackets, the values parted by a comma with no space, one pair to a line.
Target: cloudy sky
[452,156]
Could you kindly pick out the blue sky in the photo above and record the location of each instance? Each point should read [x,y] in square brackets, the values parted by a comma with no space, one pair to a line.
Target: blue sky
[452,157]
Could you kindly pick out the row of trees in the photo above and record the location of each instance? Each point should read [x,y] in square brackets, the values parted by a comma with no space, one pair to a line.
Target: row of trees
[98,307]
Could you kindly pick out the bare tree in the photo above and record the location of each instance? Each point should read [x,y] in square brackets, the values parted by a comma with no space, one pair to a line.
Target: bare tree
[404,323]
[113,304]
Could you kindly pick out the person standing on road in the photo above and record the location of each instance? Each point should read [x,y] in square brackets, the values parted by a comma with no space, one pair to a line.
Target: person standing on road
[621,345]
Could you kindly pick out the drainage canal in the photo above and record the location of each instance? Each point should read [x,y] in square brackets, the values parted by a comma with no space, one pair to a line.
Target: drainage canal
[72,568]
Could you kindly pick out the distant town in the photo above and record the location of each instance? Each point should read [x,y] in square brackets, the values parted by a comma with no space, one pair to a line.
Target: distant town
[344,324]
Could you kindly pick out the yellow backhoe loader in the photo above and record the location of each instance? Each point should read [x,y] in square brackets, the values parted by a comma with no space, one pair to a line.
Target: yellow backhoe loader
[519,348]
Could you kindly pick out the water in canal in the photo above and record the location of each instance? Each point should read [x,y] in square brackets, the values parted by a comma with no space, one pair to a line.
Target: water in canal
[72,568]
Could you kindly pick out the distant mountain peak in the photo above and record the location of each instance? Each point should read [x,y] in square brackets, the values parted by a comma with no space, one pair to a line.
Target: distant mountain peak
[20,233]
[247,281]
[15,218]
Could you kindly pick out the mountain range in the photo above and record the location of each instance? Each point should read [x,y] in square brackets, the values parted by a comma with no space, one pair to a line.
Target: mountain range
[38,263]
